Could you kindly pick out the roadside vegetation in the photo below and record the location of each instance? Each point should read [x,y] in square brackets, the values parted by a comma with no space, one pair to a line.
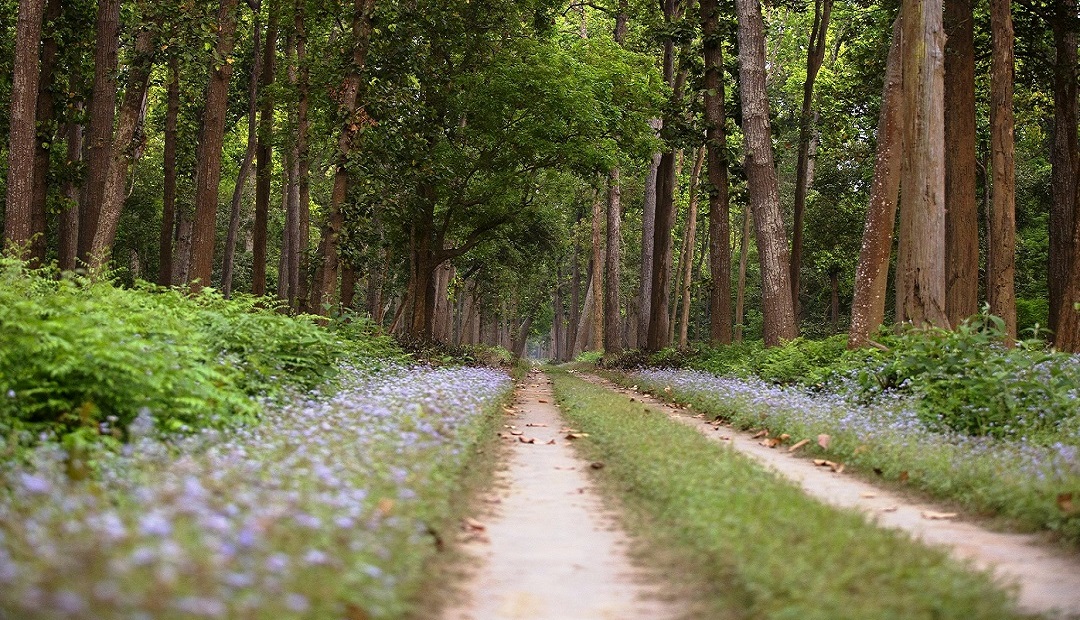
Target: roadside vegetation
[759,546]
[955,414]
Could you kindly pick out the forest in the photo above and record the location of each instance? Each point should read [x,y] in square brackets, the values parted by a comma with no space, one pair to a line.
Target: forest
[301,300]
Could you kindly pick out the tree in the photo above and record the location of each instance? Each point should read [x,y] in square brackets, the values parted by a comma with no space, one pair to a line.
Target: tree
[168,216]
[716,145]
[264,151]
[762,183]
[961,214]
[920,281]
[24,91]
[1001,260]
[1064,155]
[208,157]
[872,273]
[612,321]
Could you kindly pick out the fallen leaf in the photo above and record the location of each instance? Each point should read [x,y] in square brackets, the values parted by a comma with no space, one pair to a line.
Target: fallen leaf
[798,445]
[771,443]
[597,465]
[785,437]
[890,509]
[633,400]
[762,433]
[526,440]
[903,477]
[824,440]
[667,389]
[1065,503]
[576,435]
[868,495]
[724,437]
[633,387]
[837,467]
[551,443]
[541,400]
[386,506]
[938,516]
[516,433]
[536,425]
[877,470]
[820,462]
[471,524]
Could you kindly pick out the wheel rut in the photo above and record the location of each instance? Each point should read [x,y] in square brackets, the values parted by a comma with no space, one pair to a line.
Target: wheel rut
[549,549]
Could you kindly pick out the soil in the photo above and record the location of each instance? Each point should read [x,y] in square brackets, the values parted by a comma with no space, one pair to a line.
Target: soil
[548,549]
[1047,577]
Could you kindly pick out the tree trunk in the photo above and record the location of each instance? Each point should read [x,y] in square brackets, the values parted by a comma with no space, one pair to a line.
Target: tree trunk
[558,324]
[303,159]
[596,284]
[264,152]
[612,320]
[762,184]
[687,261]
[872,273]
[521,338]
[69,217]
[168,213]
[18,215]
[292,205]
[100,129]
[45,132]
[583,333]
[716,142]
[815,55]
[322,290]
[740,292]
[182,256]
[125,144]
[348,286]
[961,210]
[228,262]
[570,349]
[648,232]
[1064,155]
[834,306]
[208,153]
[920,282]
[1001,258]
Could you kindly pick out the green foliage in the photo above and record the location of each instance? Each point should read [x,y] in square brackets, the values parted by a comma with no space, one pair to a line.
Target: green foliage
[801,361]
[82,355]
[589,357]
[755,546]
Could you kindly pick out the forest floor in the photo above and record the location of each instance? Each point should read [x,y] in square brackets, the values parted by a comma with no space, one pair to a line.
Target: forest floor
[546,546]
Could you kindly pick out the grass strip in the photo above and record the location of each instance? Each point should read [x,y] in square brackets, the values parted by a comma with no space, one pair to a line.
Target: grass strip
[767,550]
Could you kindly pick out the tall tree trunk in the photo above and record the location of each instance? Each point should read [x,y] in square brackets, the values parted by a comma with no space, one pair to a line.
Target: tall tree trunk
[612,320]
[575,304]
[582,334]
[348,285]
[69,217]
[45,132]
[18,216]
[596,285]
[208,153]
[228,263]
[872,273]
[716,142]
[303,157]
[961,209]
[1064,155]
[920,282]
[521,338]
[687,262]
[648,232]
[762,184]
[558,325]
[291,248]
[815,56]
[740,292]
[100,128]
[1001,259]
[326,271]
[182,256]
[264,152]
[168,214]
[125,144]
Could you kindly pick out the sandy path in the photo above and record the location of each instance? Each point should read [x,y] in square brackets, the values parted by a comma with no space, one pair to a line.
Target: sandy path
[550,551]
[1049,578]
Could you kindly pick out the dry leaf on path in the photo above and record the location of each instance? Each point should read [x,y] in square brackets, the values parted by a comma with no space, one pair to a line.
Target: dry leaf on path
[473,525]
[937,516]
[762,433]
[517,433]
[576,435]
[890,509]
[597,465]
[798,445]
[824,440]
[771,443]
[536,425]
[541,400]
[868,495]
[526,440]
[551,443]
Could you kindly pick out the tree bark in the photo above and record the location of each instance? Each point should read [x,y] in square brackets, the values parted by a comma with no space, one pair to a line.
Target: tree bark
[45,132]
[18,215]
[208,153]
[596,285]
[687,261]
[815,56]
[228,263]
[291,248]
[834,305]
[582,334]
[168,214]
[648,232]
[69,218]
[716,143]
[125,145]
[303,158]
[961,209]
[264,152]
[100,128]
[558,324]
[740,292]
[612,320]
[920,282]
[322,290]
[872,273]
[575,304]
[1001,257]
[1064,156]
[762,184]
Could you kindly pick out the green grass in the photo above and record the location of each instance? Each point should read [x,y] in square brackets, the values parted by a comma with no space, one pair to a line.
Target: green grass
[763,548]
